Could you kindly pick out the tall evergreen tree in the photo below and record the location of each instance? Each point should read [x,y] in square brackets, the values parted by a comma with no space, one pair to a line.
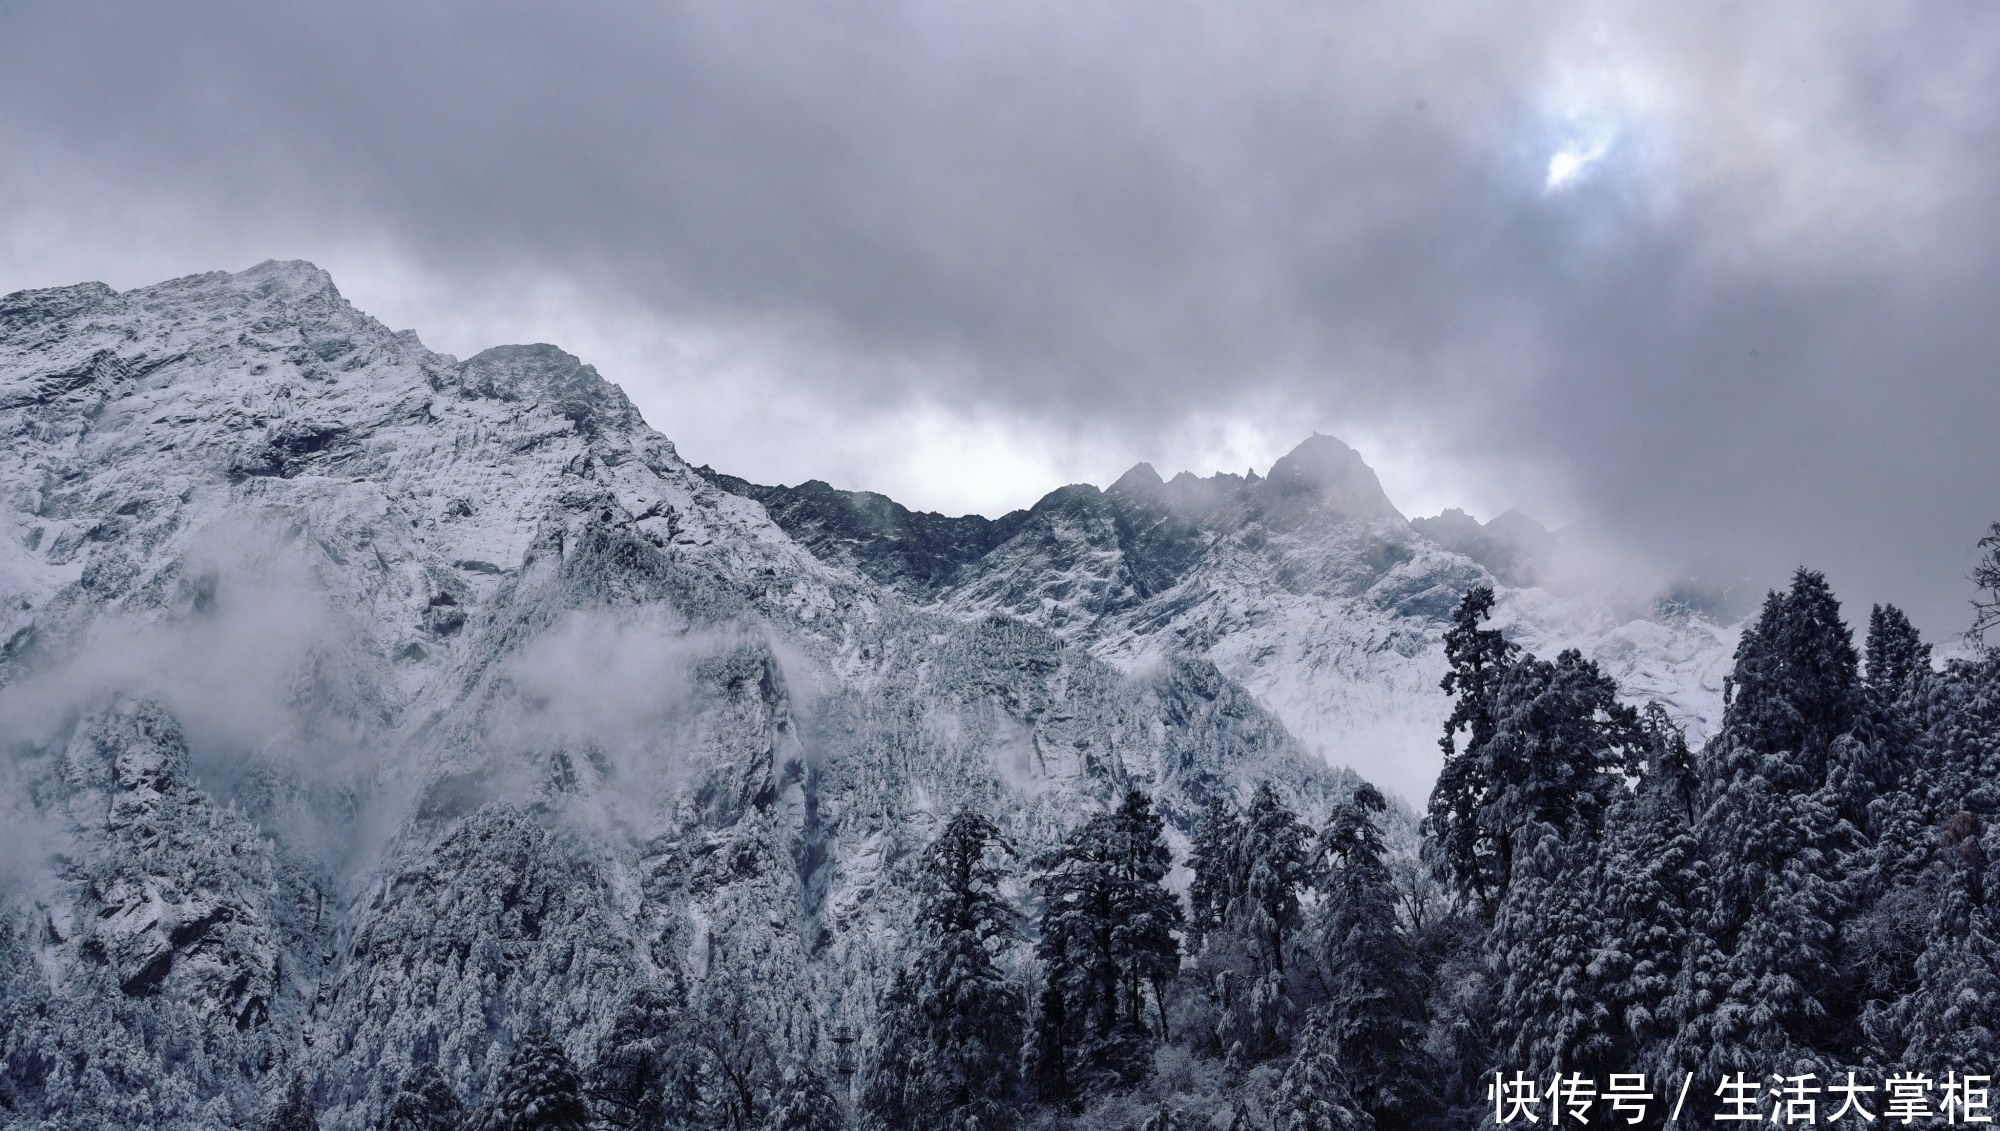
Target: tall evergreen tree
[1649,870]
[425,1102]
[1761,971]
[949,1052]
[1456,837]
[1252,870]
[1147,916]
[1548,946]
[1107,939]
[1547,745]
[1374,1010]
[1274,866]
[1896,653]
[538,1090]
[1952,1017]
[1213,860]
[1796,684]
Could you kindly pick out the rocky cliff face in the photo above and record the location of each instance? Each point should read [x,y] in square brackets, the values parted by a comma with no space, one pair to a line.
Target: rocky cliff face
[365,707]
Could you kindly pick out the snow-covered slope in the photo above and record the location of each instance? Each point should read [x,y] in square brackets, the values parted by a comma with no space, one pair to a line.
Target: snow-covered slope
[365,707]
[1307,586]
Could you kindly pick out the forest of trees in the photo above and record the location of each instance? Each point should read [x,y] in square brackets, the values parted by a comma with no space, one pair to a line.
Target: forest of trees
[1793,917]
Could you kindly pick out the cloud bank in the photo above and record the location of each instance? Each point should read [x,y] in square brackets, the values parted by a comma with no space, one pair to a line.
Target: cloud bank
[1717,278]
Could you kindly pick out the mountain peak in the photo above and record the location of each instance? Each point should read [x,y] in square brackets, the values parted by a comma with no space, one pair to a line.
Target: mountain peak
[294,275]
[1141,478]
[1336,474]
[548,374]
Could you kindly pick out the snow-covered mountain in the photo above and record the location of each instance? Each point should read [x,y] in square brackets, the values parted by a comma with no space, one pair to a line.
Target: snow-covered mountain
[1306,586]
[365,707]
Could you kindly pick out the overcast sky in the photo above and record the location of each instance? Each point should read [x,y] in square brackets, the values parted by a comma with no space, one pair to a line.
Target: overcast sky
[1721,279]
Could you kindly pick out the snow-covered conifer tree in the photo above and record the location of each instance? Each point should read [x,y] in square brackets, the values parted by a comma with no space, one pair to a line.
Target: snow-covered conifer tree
[1374,1007]
[949,1050]
[1107,940]
[425,1102]
[1313,1094]
[537,1091]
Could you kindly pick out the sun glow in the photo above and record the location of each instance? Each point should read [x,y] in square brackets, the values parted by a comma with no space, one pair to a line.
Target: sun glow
[1572,162]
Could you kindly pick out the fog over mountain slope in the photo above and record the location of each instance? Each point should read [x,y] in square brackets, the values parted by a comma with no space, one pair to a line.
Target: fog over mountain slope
[1307,586]
[366,707]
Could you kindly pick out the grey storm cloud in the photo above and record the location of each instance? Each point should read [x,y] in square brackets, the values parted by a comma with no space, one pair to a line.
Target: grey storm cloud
[1727,273]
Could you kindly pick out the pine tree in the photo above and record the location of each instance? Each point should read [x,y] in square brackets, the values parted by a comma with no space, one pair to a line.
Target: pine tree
[1547,743]
[1147,916]
[1252,869]
[295,1111]
[1313,1094]
[949,1050]
[1796,684]
[1374,1003]
[1107,938]
[537,1091]
[1045,1062]
[1212,859]
[806,1103]
[1479,657]
[1548,946]
[1896,653]
[1649,868]
[1455,836]
[1760,973]
[1274,867]
[425,1102]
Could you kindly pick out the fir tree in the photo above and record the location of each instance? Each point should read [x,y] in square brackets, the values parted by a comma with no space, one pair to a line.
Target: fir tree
[1313,1094]
[1373,1013]
[949,1051]
[1252,891]
[295,1111]
[1795,687]
[1147,917]
[1479,657]
[1274,866]
[806,1103]
[1045,1063]
[1760,974]
[1896,653]
[1107,938]
[1952,1017]
[1212,859]
[1548,744]
[1649,868]
[1547,944]
[425,1102]
[537,1091]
